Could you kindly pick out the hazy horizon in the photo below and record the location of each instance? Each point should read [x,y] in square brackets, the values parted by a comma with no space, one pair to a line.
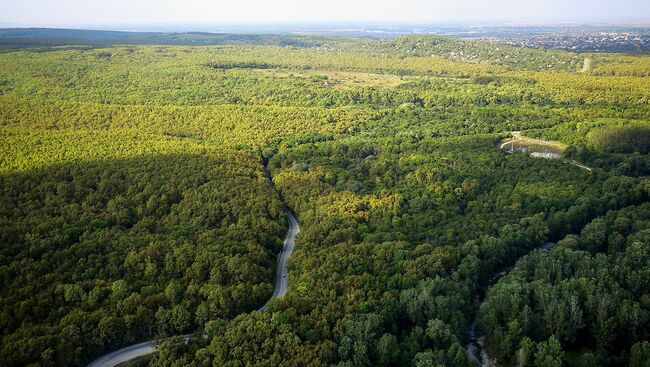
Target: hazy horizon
[147,13]
[326,27]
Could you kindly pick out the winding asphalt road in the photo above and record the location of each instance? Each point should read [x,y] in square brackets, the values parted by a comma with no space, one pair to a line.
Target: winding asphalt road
[125,354]
[280,289]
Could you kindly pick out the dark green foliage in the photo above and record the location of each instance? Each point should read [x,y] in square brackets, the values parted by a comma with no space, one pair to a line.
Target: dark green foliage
[622,139]
[134,203]
[589,293]
[102,254]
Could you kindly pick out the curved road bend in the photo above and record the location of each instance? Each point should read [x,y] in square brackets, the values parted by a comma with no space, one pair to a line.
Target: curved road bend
[280,289]
[125,354]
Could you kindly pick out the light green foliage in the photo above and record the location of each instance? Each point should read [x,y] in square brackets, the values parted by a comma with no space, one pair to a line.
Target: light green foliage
[134,203]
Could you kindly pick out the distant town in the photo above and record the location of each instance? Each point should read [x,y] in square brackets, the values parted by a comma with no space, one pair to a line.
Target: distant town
[627,41]
[579,38]
[614,37]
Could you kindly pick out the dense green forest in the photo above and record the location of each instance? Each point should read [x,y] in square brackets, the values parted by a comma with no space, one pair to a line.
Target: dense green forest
[589,294]
[135,203]
[105,233]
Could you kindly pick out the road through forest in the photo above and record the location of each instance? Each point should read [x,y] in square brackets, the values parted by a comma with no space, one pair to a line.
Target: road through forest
[280,286]
[279,290]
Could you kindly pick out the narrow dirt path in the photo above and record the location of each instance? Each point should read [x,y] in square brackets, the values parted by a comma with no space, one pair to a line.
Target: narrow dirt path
[569,161]
[586,65]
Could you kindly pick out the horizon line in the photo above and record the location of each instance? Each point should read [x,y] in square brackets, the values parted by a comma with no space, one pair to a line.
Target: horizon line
[638,22]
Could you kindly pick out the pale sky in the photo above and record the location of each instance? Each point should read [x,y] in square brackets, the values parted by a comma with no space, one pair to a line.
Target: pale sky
[88,12]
